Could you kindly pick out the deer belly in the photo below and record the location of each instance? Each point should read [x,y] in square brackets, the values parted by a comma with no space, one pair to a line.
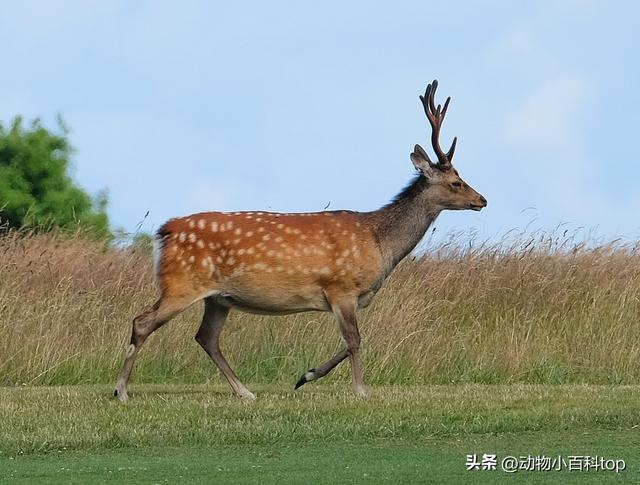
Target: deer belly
[274,301]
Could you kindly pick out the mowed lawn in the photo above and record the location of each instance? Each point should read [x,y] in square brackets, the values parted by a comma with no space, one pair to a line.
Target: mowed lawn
[320,434]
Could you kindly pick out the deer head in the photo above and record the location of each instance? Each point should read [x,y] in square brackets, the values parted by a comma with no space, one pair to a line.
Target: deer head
[447,189]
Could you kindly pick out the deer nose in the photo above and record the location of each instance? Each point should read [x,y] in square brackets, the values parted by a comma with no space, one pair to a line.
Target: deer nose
[483,200]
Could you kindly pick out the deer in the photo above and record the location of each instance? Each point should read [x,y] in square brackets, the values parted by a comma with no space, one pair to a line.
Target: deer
[283,263]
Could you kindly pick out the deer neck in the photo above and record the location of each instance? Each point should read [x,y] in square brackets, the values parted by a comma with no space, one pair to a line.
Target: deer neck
[400,225]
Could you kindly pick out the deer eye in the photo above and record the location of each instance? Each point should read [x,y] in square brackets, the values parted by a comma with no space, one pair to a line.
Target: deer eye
[457,185]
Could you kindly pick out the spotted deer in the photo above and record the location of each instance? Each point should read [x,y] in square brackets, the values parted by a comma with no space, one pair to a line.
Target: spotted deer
[273,263]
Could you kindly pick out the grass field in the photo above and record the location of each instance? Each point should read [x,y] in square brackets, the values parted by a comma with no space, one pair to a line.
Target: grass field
[528,347]
[540,309]
[318,435]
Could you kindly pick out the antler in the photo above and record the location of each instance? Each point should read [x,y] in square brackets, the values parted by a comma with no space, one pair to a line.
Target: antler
[436,117]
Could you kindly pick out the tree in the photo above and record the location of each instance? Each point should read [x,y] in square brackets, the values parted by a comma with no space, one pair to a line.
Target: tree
[36,189]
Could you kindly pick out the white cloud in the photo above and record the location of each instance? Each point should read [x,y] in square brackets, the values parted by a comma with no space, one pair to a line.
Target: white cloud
[544,132]
[549,116]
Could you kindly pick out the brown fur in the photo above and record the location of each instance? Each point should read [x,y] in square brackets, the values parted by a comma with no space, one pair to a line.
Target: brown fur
[283,261]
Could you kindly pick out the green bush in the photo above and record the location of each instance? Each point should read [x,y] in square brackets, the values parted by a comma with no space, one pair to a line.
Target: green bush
[36,189]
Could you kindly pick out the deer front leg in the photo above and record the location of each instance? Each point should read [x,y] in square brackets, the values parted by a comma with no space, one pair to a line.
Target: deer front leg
[346,316]
[345,312]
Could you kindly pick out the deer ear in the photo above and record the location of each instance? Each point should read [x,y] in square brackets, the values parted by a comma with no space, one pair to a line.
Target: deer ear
[421,161]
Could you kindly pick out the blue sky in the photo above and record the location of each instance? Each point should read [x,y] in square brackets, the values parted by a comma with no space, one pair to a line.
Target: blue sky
[178,107]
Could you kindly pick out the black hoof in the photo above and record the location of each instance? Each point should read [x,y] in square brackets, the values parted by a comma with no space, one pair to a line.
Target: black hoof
[303,380]
[115,393]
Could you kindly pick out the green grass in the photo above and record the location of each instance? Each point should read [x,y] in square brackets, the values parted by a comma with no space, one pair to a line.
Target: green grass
[321,434]
[431,460]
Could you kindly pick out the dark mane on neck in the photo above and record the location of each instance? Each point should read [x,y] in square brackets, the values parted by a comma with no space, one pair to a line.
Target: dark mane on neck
[414,187]
[400,225]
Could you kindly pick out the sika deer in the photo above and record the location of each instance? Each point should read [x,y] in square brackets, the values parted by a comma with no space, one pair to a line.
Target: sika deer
[263,262]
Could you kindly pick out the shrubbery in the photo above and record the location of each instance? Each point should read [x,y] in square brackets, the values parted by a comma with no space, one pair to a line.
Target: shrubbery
[36,190]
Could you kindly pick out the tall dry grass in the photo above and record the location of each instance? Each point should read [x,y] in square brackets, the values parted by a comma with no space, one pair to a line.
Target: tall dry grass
[540,308]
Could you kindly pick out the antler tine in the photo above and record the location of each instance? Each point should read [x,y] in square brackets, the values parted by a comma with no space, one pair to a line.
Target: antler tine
[436,115]
[452,149]
[427,104]
[446,106]
[432,95]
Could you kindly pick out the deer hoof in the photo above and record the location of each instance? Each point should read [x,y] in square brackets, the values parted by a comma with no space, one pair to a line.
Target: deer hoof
[360,392]
[308,376]
[120,394]
[247,394]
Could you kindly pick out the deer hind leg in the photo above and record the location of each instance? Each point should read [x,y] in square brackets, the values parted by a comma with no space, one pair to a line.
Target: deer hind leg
[323,369]
[144,325]
[345,313]
[208,336]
